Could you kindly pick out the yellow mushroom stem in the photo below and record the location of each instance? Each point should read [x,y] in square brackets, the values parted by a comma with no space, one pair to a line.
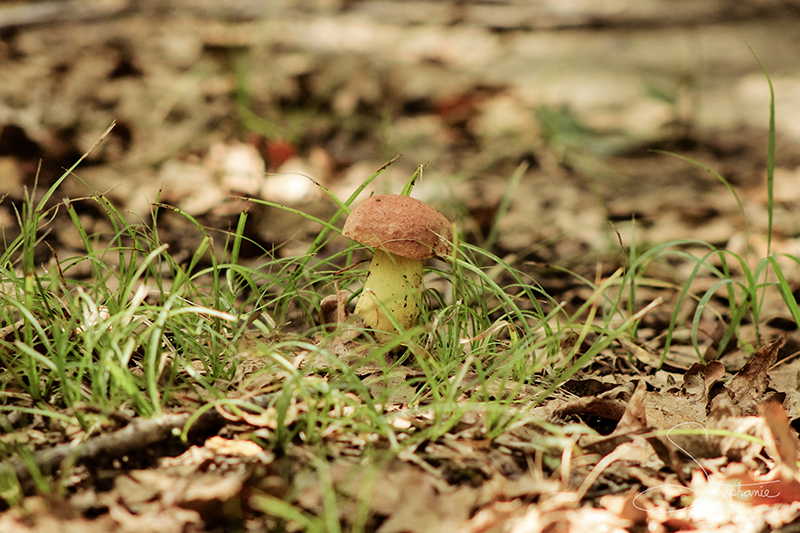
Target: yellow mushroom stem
[394,285]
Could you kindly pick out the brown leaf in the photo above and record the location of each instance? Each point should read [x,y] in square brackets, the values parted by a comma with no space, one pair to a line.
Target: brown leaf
[632,422]
[588,387]
[750,383]
[411,500]
[781,437]
[733,446]
[791,403]
[332,310]
[608,409]
[623,506]
[214,497]
[635,417]
[223,446]
[779,485]
[699,379]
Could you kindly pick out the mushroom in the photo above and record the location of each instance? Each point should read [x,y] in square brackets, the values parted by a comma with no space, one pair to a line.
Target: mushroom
[404,231]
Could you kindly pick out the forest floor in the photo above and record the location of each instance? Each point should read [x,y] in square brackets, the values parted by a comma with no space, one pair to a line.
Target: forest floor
[667,399]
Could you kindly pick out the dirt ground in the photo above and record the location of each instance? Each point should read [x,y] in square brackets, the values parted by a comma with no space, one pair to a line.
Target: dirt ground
[213,100]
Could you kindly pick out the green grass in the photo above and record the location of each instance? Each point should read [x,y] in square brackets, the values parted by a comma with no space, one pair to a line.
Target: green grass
[144,333]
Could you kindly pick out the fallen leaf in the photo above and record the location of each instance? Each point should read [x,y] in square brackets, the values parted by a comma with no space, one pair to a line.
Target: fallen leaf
[224,446]
[781,437]
[750,383]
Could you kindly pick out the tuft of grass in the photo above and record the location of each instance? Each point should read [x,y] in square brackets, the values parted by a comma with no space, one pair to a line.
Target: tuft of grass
[744,292]
[127,327]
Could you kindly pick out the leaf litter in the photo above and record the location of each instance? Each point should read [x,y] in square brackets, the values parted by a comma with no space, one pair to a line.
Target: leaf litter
[637,447]
[709,452]
[641,443]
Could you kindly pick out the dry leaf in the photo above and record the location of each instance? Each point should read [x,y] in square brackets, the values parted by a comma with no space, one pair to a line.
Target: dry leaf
[750,383]
[781,437]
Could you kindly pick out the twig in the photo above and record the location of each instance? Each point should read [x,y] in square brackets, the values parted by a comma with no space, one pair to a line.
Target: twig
[136,436]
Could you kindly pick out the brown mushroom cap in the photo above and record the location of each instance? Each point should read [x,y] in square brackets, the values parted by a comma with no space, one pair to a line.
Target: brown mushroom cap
[400,225]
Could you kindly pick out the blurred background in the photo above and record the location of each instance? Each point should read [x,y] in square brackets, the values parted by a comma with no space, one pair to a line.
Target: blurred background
[536,121]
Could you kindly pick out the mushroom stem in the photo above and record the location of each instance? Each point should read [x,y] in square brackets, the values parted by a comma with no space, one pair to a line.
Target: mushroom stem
[394,285]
